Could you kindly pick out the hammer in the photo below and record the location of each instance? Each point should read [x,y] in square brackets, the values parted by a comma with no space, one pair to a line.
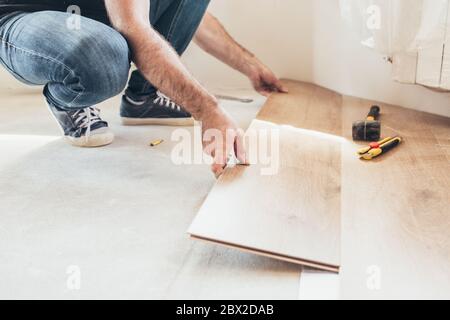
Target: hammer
[370,129]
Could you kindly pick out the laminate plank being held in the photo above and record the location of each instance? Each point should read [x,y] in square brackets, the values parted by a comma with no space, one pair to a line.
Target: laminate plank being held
[293,215]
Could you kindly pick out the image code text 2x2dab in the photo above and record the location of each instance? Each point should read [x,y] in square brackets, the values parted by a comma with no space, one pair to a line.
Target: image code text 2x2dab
[226,310]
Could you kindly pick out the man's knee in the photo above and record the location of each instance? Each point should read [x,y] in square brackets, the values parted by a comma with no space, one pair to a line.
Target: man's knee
[100,63]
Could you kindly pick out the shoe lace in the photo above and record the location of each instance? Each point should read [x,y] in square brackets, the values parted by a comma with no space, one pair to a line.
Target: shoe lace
[165,101]
[87,117]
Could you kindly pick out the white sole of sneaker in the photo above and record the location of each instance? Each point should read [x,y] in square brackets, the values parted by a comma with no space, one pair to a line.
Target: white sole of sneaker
[93,141]
[96,140]
[182,122]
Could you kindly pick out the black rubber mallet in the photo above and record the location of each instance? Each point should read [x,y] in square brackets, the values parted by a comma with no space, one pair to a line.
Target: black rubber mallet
[369,129]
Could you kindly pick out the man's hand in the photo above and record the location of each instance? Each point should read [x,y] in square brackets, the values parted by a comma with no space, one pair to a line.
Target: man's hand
[264,80]
[222,138]
[214,39]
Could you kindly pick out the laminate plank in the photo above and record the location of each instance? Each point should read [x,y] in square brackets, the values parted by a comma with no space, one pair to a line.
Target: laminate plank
[307,106]
[293,215]
[396,218]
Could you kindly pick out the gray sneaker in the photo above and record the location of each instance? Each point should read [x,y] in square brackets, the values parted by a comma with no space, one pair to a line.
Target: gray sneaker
[84,127]
[156,109]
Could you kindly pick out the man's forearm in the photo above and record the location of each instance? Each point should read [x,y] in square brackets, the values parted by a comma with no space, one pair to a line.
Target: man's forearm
[157,61]
[214,39]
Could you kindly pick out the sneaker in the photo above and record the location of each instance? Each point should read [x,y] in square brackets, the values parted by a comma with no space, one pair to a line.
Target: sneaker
[84,127]
[157,109]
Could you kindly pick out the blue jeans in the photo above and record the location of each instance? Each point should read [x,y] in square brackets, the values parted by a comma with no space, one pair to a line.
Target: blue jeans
[81,67]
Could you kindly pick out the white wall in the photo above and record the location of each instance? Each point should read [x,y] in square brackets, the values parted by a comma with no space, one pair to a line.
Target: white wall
[304,40]
[307,40]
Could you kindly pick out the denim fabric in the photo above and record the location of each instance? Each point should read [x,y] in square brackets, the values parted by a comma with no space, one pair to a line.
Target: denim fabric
[85,66]
[177,21]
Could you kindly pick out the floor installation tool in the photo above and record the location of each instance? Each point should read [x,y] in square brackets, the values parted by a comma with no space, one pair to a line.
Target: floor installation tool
[230,98]
[376,149]
[369,129]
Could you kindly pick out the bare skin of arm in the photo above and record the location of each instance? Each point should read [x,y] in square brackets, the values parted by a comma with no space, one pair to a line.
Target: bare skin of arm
[214,39]
[161,65]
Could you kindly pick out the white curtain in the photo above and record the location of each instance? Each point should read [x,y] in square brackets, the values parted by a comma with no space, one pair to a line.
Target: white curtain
[411,32]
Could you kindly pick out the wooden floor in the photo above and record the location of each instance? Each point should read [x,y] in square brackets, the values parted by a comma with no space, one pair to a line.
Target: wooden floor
[392,214]
[396,221]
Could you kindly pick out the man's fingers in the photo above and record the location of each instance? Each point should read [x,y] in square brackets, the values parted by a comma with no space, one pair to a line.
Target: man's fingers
[221,153]
[234,144]
[265,92]
[281,87]
[277,85]
[239,149]
[217,169]
[219,165]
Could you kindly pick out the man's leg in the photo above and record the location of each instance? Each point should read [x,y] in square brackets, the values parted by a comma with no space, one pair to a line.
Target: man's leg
[79,68]
[177,21]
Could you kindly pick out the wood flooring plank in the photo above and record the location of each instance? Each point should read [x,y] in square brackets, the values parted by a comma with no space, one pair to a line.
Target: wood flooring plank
[306,106]
[396,218]
[394,210]
[293,215]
